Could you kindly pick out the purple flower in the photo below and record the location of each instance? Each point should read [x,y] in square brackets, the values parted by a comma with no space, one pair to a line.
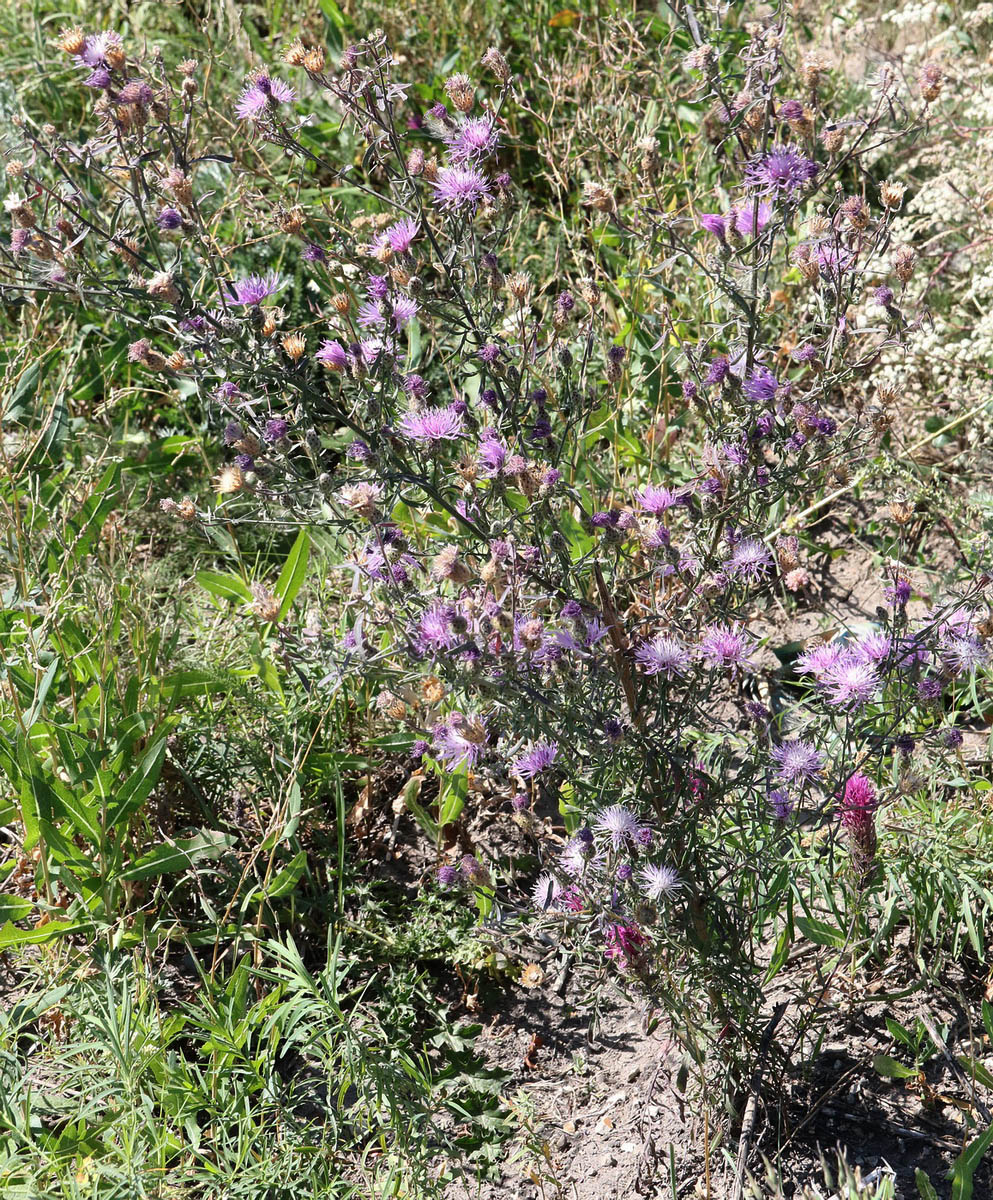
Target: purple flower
[659,883]
[492,456]
[432,425]
[332,354]
[276,428]
[447,876]
[546,891]
[460,187]
[536,760]
[98,78]
[790,110]
[781,802]
[94,52]
[850,682]
[782,170]
[371,314]
[460,740]
[401,235]
[259,94]
[718,371]
[434,630]
[798,761]
[761,385]
[312,252]
[725,646]
[490,353]
[714,223]
[749,222]
[655,499]
[750,560]
[619,824]
[474,139]
[662,656]
[963,655]
[404,311]
[899,593]
[169,218]
[416,386]
[254,289]
[883,296]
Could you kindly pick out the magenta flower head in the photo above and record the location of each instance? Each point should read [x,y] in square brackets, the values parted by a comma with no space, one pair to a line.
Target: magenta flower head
[259,94]
[782,171]
[750,560]
[535,761]
[761,385]
[253,289]
[858,804]
[332,354]
[714,223]
[458,188]
[99,46]
[851,681]
[474,139]
[431,426]
[400,236]
[662,656]
[749,222]
[461,739]
[656,499]
[623,944]
[725,646]
[799,762]
[404,311]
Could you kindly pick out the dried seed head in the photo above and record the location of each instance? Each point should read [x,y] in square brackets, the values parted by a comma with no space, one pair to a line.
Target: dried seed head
[162,287]
[902,512]
[177,361]
[266,606]
[432,690]
[813,67]
[114,55]
[315,60]
[929,80]
[595,195]
[532,976]
[701,58]
[361,498]
[519,286]
[72,40]
[20,211]
[15,169]
[856,212]
[270,321]
[178,183]
[891,194]
[340,302]
[494,61]
[788,552]
[415,161]
[832,138]
[459,89]
[290,220]
[295,346]
[589,292]
[294,55]
[187,67]
[230,479]
[904,261]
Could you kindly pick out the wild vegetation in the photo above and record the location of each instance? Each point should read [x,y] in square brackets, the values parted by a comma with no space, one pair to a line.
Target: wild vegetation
[496,553]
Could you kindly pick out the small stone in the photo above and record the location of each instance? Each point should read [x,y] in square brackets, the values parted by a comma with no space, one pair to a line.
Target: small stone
[633,1074]
[570,1126]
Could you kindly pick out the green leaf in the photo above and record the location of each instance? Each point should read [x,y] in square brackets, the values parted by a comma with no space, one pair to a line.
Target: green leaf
[889,1068]
[293,573]
[925,1188]
[821,933]
[224,585]
[780,954]
[135,791]
[196,683]
[287,879]
[11,936]
[14,908]
[454,791]
[25,392]
[170,857]
[965,1165]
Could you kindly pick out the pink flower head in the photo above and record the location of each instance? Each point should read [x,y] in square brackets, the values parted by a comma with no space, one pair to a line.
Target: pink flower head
[400,236]
[332,354]
[462,187]
[851,681]
[260,94]
[253,289]
[474,139]
[433,425]
[656,499]
[725,646]
[623,944]
[662,656]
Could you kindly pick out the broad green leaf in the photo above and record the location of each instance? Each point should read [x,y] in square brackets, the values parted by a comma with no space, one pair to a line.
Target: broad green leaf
[925,1188]
[287,879]
[14,908]
[964,1167]
[889,1068]
[170,857]
[293,573]
[224,585]
[135,791]
[821,933]
[11,936]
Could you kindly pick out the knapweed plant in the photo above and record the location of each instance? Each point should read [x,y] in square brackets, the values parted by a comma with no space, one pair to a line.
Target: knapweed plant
[561,508]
